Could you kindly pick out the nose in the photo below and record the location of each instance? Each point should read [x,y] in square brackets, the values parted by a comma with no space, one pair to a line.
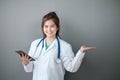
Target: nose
[49,28]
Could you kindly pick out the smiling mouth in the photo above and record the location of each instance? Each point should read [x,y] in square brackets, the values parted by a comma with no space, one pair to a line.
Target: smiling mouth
[49,32]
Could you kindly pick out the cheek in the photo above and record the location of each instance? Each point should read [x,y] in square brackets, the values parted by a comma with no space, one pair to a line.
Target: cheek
[44,29]
[55,30]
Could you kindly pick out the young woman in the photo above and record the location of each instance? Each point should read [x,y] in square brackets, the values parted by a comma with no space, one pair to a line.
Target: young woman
[53,56]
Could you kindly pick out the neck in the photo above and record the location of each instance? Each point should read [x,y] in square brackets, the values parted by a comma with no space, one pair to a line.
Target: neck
[50,39]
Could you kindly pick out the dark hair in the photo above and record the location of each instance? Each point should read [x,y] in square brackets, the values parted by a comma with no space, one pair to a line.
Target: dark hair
[51,16]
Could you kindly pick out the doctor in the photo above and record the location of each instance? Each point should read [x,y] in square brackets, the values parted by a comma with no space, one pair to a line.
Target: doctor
[53,56]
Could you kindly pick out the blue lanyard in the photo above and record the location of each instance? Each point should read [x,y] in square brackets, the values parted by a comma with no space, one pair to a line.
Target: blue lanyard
[42,40]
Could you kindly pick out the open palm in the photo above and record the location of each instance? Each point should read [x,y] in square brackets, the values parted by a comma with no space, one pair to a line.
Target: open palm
[84,48]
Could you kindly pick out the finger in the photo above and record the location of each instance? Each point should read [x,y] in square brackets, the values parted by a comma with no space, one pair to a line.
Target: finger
[90,48]
[30,59]
[26,56]
[22,55]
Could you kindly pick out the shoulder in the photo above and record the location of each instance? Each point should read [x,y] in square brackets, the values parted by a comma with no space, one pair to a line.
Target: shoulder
[64,44]
[36,41]
[66,49]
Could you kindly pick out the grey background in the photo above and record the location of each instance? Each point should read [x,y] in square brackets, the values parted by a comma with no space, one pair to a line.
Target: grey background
[90,22]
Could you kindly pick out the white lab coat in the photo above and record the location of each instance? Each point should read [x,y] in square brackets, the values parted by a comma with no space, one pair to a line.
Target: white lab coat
[45,67]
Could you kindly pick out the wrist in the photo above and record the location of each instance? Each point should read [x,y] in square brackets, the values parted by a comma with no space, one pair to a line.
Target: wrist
[25,63]
[82,50]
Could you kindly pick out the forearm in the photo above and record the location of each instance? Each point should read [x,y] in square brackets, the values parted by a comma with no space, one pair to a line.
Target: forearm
[73,64]
[28,67]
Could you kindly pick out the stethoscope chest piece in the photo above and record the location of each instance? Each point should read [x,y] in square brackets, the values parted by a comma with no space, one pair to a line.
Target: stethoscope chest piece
[58,61]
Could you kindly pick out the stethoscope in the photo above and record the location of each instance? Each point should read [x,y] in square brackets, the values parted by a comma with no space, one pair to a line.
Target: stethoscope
[58,60]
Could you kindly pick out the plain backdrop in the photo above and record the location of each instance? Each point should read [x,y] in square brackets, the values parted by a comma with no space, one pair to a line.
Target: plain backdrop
[90,22]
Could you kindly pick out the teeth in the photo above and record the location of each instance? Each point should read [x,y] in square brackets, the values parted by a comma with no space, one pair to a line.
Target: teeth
[50,33]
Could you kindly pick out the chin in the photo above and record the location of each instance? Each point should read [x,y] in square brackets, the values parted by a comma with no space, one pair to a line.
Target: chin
[50,36]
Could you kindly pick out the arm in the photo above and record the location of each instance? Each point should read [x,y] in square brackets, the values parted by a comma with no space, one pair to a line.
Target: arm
[28,67]
[72,64]
[27,64]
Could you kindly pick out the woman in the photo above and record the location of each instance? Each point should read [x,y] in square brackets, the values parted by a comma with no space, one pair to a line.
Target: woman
[52,54]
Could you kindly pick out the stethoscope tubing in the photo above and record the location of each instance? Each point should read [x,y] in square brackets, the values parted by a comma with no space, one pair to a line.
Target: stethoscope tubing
[42,41]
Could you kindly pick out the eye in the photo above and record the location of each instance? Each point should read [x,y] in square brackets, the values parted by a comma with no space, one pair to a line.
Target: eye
[52,26]
[45,26]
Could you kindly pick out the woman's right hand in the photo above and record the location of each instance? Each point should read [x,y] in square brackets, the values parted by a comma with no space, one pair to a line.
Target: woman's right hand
[25,59]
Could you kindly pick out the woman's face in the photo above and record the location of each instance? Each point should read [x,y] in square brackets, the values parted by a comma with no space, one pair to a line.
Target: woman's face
[50,29]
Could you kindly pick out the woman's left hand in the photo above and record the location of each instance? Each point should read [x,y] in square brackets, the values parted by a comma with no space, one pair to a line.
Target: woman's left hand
[84,48]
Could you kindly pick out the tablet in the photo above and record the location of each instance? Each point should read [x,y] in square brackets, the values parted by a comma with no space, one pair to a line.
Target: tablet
[20,53]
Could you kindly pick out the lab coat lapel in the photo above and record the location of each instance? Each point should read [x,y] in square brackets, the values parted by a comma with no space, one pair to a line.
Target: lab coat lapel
[38,51]
[54,44]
